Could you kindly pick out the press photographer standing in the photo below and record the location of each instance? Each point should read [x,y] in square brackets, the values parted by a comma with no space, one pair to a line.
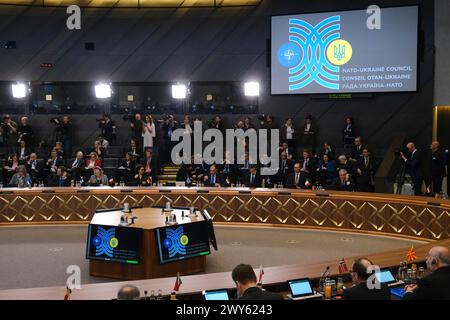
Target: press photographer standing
[8,132]
[108,128]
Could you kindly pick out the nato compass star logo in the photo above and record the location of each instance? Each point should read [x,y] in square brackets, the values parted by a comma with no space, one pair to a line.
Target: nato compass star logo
[176,241]
[105,242]
[289,55]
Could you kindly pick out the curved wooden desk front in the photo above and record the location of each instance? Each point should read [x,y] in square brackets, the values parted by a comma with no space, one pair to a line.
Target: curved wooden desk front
[413,217]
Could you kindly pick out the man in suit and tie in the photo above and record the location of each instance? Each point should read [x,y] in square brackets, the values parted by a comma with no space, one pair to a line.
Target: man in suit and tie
[285,168]
[76,168]
[436,286]
[61,179]
[253,178]
[309,165]
[366,169]
[34,167]
[361,290]
[244,277]
[298,178]
[150,165]
[227,169]
[437,168]
[357,150]
[344,183]
[214,178]
[133,148]
[414,164]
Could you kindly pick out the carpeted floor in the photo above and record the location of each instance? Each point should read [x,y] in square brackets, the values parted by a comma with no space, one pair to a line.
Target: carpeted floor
[39,256]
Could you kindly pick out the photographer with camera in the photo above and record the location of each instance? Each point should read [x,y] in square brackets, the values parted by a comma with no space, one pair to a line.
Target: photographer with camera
[8,132]
[108,128]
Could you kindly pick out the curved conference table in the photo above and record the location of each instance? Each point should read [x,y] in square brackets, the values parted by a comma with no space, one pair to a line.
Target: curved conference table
[402,216]
[417,218]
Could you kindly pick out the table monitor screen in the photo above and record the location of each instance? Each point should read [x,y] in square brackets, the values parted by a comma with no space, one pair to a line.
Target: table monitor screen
[115,244]
[183,241]
[300,287]
[216,295]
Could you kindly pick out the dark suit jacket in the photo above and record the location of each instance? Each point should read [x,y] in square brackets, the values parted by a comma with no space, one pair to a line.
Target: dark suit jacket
[414,164]
[438,163]
[257,183]
[356,152]
[153,166]
[55,181]
[128,166]
[347,187]
[59,162]
[255,293]
[436,286]
[312,164]
[362,292]
[368,171]
[38,167]
[219,180]
[290,182]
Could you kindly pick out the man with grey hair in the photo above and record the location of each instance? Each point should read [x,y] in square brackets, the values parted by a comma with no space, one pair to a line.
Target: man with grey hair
[414,165]
[344,183]
[436,286]
[129,292]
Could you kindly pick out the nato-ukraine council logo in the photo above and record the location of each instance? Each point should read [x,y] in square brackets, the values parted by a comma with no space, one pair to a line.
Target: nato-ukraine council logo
[105,242]
[314,53]
[176,241]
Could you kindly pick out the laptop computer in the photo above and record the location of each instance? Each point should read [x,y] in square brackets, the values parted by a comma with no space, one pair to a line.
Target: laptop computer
[301,289]
[385,276]
[211,295]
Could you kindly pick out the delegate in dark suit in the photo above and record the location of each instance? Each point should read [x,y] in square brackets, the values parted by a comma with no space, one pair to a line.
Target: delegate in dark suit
[366,169]
[362,292]
[255,293]
[414,165]
[214,179]
[297,180]
[252,180]
[438,172]
[344,185]
[436,286]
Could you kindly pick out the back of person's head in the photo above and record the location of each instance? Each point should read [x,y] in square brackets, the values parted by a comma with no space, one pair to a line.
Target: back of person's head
[360,268]
[128,292]
[244,274]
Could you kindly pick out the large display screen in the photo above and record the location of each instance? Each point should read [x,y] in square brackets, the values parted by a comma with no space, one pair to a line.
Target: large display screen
[116,244]
[183,241]
[345,52]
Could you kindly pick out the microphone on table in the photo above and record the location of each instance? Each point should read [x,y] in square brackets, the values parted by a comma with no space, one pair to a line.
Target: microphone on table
[324,275]
[326,272]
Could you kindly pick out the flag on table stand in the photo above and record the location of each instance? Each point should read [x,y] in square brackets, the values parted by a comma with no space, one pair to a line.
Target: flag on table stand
[68,292]
[261,273]
[178,283]
[411,256]
[342,266]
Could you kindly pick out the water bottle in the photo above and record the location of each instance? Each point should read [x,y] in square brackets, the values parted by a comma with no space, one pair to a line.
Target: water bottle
[160,296]
[152,295]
